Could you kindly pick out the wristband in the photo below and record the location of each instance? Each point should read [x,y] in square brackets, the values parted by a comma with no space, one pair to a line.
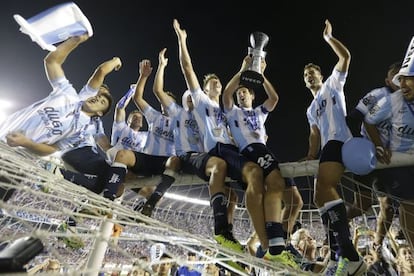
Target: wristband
[380,150]
[127,95]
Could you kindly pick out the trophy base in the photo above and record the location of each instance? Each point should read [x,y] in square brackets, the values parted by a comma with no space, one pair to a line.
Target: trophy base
[251,79]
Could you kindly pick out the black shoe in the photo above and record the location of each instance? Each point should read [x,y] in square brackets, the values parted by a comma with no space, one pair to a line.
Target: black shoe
[147,210]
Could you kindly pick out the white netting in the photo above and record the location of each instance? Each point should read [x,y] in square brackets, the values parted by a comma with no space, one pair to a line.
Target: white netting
[42,201]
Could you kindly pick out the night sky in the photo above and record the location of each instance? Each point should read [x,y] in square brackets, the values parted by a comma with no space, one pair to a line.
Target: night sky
[218,36]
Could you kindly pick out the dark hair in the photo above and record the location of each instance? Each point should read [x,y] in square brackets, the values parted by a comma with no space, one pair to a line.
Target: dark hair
[165,255]
[104,85]
[314,66]
[135,111]
[110,101]
[395,67]
[296,226]
[209,77]
[251,90]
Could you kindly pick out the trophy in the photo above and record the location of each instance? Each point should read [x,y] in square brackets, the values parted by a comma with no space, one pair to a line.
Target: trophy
[252,77]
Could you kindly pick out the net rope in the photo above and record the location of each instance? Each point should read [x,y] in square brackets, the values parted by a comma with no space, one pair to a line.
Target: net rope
[42,202]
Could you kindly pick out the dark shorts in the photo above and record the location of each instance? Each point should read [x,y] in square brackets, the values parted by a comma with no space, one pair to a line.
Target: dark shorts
[237,186]
[373,180]
[235,161]
[290,182]
[261,155]
[148,165]
[398,182]
[86,160]
[195,163]
[332,152]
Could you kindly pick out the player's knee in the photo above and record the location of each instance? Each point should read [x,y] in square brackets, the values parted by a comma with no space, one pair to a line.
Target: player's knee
[252,171]
[217,166]
[173,163]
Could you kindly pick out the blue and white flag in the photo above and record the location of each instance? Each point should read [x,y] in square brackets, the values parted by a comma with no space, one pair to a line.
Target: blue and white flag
[55,25]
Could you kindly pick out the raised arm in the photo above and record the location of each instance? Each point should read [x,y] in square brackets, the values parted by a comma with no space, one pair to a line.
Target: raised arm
[340,50]
[120,113]
[158,87]
[272,96]
[98,76]
[185,59]
[145,70]
[228,93]
[54,60]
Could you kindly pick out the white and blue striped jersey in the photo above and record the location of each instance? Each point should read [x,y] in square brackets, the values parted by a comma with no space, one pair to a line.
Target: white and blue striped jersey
[187,135]
[366,104]
[211,120]
[401,115]
[247,126]
[86,136]
[328,110]
[160,140]
[124,137]
[51,119]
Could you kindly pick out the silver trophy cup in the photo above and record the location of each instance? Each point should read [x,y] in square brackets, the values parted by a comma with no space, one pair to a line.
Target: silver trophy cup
[253,77]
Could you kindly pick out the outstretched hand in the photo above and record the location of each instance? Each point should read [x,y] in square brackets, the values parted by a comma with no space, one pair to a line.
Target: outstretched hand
[145,67]
[181,33]
[247,61]
[162,60]
[327,32]
[118,63]
[15,139]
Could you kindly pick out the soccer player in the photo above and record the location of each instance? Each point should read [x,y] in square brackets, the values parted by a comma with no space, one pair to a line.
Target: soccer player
[398,109]
[328,132]
[247,125]
[217,142]
[157,150]
[55,122]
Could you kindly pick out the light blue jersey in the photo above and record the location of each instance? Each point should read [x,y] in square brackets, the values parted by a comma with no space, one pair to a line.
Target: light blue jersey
[85,137]
[211,120]
[366,104]
[247,126]
[51,119]
[401,115]
[187,135]
[124,137]
[328,110]
[160,140]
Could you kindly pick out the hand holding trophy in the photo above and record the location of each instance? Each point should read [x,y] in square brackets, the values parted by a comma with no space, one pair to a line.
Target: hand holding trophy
[252,77]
